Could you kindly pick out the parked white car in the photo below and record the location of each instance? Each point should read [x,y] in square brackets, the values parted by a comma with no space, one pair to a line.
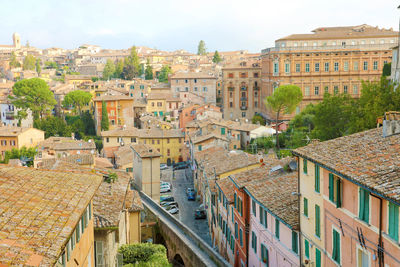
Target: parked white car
[163,166]
[165,184]
[172,209]
[165,189]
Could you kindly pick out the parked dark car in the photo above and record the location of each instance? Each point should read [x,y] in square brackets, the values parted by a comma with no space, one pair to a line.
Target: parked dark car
[191,196]
[166,198]
[200,214]
[180,165]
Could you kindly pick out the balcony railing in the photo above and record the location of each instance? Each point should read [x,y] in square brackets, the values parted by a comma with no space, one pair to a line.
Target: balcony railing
[243,98]
[310,48]
[243,107]
[231,88]
[243,88]
[256,88]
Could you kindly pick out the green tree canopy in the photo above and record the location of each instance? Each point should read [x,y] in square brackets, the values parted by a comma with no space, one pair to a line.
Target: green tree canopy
[51,65]
[29,62]
[104,117]
[132,67]
[38,67]
[163,75]
[23,152]
[216,58]
[53,126]
[201,48]
[14,63]
[259,119]
[387,69]
[149,71]
[145,255]
[33,94]
[109,70]
[119,67]
[77,99]
[284,99]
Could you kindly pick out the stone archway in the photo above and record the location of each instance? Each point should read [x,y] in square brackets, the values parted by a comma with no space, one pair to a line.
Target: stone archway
[177,261]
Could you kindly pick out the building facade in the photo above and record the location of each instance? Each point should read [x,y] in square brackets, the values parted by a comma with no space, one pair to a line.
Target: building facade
[330,60]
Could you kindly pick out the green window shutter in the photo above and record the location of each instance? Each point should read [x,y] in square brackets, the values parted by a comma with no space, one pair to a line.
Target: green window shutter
[233,217]
[261,215]
[331,188]
[306,207]
[277,228]
[235,200]
[265,219]
[317,258]
[254,208]
[236,231]
[364,205]
[393,221]
[336,247]
[317,221]
[200,147]
[305,166]
[361,204]
[241,237]
[294,242]
[223,131]
[317,180]
[255,244]
[306,248]
[338,193]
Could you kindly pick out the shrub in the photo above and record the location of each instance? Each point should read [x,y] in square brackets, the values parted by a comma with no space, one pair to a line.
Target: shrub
[144,255]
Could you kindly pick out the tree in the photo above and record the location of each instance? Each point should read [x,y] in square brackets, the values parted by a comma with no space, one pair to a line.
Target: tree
[163,75]
[109,70]
[259,119]
[53,126]
[23,152]
[201,48]
[21,114]
[38,67]
[14,62]
[131,65]
[129,72]
[144,254]
[216,58]
[284,99]
[29,62]
[51,65]
[33,94]
[387,69]
[104,117]
[148,74]
[119,67]
[77,99]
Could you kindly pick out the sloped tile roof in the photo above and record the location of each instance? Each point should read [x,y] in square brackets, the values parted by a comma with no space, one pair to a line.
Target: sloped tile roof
[366,158]
[39,211]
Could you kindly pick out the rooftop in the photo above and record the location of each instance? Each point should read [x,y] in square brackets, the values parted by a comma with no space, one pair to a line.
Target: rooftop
[113,98]
[39,211]
[145,151]
[193,75]
[364,158]
[13,130]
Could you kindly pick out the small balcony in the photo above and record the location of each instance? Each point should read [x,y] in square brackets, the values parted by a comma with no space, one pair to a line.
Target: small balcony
[231,88]
[256,88]
[243,99]
[243,108]
[243,88]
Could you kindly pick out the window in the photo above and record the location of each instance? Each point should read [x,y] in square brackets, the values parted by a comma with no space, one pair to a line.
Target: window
[295,246]
[307,90]
[99,253]
[255,74]
[133,139]
[223,131]
[306,248]
[307,67]
[195,89]
[326,67]
[241,237]
[297,67]
[393,228]
[335,89]
[230,75]
[365,65]
[335,190]
[276,68]
[277,228]
[362,258]
[317,258]
[236,230]
[204,89]
[305,166]
[253,203]
[260,209]
[265,219]
[305,202]
[199,147]
[336,66]
[355,65]
[240,206]
[287,67]
[78,232]
[235,200]
[317,179]
[316,90]
[254,242]
[264,254]
[346,66]
[336,246]
[326,89]
[317,221]
[355,89]
[363,212]
[375,67]
[316,67]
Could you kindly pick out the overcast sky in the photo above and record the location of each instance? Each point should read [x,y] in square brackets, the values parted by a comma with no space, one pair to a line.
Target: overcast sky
[180,24]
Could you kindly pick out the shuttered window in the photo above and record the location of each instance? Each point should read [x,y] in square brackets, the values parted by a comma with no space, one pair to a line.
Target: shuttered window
[317,258]
[295,246]
[254,242]
[335,190]
[306,248]
[336,246]
[235,200]
[317,179]
[261,215]
[253,203]
[363,212]
[277,228]
[264,255]
[265,219]
[99,253]
[317,221]
[305,166]
[393,221]
[305,207]
[236,230]
[241,237]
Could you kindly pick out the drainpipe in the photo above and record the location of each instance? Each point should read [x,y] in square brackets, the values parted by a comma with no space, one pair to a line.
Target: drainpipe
[380,241]
[299,197]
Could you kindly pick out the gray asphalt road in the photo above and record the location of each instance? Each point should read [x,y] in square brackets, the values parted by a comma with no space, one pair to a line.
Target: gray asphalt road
[186,208]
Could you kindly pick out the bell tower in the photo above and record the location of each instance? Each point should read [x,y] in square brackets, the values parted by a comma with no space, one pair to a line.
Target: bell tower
[16,40]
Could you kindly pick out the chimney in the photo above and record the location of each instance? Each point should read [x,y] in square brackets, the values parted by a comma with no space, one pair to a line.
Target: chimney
[391,123]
